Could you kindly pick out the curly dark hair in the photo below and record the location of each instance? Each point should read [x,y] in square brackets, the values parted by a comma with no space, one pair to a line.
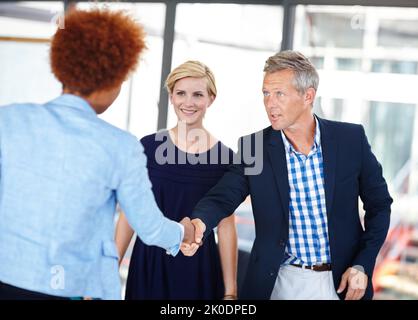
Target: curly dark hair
[96,49]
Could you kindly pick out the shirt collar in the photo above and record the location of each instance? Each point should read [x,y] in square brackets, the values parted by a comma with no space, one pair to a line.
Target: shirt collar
[317,139]
[73,101]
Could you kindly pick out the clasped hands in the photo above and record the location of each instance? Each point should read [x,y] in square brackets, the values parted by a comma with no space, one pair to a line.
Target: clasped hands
[193,235]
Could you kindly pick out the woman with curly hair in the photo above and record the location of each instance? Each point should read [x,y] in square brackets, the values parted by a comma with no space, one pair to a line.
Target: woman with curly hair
[62,171]
[178,186]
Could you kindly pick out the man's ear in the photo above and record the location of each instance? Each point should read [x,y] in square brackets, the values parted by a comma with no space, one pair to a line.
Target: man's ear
[310,96]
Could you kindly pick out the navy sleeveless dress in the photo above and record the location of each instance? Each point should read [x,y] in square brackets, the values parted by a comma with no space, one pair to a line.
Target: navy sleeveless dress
[177,188]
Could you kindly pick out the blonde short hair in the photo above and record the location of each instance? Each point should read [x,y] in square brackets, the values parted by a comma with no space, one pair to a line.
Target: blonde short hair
[194,69]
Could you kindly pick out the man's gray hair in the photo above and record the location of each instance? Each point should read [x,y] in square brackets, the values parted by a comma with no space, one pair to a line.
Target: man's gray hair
[305,75]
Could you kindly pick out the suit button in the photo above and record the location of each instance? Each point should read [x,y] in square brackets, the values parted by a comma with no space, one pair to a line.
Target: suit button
[272,273]
[282,243]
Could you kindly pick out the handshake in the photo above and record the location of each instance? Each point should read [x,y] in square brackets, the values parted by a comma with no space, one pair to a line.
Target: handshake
[193,235]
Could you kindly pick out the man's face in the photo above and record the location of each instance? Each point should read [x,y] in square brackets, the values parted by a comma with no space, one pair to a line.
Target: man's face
[284,104]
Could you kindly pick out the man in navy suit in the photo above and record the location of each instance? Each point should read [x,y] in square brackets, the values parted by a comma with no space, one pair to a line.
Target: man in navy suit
[310,240]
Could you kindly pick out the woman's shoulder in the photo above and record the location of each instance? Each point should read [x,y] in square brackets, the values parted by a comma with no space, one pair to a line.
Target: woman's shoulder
[151,141]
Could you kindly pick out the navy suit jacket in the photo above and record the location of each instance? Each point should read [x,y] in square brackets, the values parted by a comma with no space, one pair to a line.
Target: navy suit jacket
[350,171]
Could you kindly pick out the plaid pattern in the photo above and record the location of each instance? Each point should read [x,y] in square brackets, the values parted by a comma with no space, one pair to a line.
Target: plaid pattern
[308,242]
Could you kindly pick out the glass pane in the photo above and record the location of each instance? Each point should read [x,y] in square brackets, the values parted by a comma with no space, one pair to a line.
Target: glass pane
[317,62]
[136,108]
[369,76]
[24,63]
[36,19]
[25,73]
[388,129]
[348,64]
[401,33]
[391,66]
[314,26]
[235,48]
[361,61]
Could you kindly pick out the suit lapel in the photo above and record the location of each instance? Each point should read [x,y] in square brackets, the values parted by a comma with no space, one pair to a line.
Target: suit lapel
[277,157]
[329,155]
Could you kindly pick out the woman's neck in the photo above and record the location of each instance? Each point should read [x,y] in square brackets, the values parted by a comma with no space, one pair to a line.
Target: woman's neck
[192,139]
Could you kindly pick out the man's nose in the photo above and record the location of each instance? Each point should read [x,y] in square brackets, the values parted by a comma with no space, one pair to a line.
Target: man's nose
[270,102]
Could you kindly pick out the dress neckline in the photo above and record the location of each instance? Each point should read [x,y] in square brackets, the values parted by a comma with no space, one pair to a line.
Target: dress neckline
[192,153]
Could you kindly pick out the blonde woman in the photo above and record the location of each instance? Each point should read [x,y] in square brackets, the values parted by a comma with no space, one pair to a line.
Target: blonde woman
[183,164]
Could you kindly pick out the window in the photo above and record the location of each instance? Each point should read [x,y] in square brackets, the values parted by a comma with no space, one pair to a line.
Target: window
[389,131]
[393,66]
[369,54]
[25,30]
[136,108]
[235,48]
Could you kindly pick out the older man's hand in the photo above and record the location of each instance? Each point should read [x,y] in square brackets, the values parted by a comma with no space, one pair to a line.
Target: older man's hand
[355,280]
[189,246]
[200,228]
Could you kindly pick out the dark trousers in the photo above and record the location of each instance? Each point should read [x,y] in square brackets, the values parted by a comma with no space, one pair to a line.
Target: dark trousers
[8,292]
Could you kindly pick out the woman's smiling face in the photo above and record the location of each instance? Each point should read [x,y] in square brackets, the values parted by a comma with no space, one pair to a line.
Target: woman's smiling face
[190,99]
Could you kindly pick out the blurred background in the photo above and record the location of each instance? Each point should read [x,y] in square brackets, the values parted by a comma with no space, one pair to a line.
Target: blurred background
[366,53]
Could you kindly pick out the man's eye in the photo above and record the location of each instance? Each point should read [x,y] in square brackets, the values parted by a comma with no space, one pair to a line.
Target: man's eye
[280,94]
[266,94]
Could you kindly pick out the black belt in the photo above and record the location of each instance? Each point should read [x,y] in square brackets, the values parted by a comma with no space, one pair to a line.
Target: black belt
[318,267]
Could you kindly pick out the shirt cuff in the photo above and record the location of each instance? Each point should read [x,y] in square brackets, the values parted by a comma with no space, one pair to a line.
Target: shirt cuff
[175,249]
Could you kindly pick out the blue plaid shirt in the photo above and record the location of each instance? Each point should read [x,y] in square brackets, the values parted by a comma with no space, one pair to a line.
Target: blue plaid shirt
[308,242]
